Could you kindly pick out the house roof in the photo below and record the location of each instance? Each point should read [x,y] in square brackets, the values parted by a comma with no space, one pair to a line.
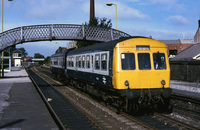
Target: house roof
[178,41]
[17,51]
[191,53]
[171,41]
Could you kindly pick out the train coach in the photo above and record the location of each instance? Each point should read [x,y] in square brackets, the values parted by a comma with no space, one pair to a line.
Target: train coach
[132,72]
[58,64]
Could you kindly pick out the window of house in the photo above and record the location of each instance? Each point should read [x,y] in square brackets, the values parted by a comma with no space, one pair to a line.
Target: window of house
[159,61]
[103,61]
[15,54]
[144,61]
[97,61]
[128,61]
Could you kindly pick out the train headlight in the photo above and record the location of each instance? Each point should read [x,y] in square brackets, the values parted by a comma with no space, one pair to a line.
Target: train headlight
[126,83]
[163,82]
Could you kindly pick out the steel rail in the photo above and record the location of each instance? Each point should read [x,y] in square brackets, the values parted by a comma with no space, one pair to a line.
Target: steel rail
[76,106]
[175,122]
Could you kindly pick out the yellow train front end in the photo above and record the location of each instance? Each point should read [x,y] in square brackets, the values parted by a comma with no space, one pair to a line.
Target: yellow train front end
[141,71]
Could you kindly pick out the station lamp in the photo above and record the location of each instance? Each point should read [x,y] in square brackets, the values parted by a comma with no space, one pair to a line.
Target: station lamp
[110,4]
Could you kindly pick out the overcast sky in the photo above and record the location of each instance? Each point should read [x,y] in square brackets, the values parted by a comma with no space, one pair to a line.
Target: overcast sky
[161,19]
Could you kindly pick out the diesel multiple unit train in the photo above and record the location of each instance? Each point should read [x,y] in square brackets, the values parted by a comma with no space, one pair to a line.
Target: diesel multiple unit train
[131,72]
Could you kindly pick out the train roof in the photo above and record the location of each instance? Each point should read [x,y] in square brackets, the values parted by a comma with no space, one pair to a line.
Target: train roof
[58,54]
[62,54]
[101,46]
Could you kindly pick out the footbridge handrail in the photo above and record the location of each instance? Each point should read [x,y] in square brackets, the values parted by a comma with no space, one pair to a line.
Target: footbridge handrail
[51,32]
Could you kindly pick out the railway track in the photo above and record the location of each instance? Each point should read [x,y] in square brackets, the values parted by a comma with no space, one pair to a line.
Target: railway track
[156,121]
[67,114]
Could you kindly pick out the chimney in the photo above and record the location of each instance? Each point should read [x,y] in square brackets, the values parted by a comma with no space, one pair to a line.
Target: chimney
[199,23]
[92,15]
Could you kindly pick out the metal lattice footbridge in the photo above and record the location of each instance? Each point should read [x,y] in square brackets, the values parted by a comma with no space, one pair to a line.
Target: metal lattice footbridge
[57,32]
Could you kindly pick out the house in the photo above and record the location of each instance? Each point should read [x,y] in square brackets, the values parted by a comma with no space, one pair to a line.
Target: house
[186,65]
[16,57]
[197,35]
[6,61]
[176,46]
[27,59]
[192,53]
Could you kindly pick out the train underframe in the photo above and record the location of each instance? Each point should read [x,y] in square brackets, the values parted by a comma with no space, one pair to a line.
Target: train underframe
[134,101]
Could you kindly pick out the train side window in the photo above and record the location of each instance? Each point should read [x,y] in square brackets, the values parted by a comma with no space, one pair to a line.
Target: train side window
[144,61]
[72,62]
[88,61]
[83,61]
[79,61]
[103,61]
[159,61]
[97,61]
[56,61]
[128,61]
[69,62]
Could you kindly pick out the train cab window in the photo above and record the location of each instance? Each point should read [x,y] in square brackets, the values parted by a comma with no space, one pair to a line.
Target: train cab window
[144,61]
[83,61]
[128,61]
[97,62]
[159,61]
[103,61]
[87,61]
[79,61]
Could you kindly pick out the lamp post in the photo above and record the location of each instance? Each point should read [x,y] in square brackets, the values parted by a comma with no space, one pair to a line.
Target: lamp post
[2,67]
[110,4]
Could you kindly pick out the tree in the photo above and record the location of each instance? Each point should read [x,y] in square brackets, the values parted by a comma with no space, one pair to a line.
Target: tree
[47,60]
[24,53]
[96,22]
[13,48]
[38,55]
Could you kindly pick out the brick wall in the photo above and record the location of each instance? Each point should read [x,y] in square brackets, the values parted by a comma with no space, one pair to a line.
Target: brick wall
[178,47]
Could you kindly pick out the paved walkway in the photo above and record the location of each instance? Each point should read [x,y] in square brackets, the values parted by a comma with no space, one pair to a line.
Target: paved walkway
[21,107]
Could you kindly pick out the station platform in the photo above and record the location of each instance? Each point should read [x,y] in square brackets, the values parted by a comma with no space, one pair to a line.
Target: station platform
[185,88]
[21,107]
